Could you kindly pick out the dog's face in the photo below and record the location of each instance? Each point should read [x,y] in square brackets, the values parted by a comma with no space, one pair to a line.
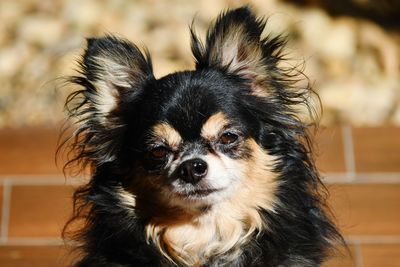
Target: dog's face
[189,139]
[198,139]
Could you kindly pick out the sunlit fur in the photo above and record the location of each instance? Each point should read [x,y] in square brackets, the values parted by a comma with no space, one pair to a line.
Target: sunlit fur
[214,126]
[166,133]
[259,202]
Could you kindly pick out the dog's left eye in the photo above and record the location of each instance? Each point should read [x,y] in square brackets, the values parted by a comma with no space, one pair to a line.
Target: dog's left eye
[159,152]
[228,138]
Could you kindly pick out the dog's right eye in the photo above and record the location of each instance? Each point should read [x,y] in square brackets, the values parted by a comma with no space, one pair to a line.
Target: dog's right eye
[228,138]
[159,152]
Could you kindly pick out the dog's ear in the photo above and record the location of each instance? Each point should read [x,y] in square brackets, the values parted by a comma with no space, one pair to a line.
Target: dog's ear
[234,44]
[113,74]
[113,69]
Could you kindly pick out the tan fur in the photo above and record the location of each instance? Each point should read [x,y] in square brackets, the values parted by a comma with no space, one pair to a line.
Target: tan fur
[214,126]
[105,99]
[226,225]
[115,70]
[127,198]
[167,134]
[113,74]
[242,56]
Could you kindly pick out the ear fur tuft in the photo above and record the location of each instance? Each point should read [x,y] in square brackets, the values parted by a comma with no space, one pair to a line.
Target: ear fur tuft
[113,67]
[234,44]
[112,71]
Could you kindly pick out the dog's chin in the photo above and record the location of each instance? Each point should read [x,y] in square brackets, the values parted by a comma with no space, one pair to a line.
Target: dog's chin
[198,193]
[199,196]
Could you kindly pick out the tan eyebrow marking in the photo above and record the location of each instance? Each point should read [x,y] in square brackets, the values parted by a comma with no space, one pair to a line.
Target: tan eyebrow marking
[214,125]
[167,133]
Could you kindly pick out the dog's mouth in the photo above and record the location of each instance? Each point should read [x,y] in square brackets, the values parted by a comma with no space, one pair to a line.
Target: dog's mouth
[197,193]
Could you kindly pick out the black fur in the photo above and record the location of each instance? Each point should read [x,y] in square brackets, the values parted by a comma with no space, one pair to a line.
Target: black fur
[113,144]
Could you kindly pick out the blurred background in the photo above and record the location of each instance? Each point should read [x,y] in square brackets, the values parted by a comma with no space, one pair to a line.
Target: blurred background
[350,47]
[351,50]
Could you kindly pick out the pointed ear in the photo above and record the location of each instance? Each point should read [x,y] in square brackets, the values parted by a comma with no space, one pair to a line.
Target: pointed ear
[234,44]
[113,74]
[112,68]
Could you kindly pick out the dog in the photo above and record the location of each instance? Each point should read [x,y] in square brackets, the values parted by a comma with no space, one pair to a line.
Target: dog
[205,167]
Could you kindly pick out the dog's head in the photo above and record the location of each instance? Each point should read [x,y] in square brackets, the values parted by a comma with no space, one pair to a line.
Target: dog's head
[205,157]
[195,138]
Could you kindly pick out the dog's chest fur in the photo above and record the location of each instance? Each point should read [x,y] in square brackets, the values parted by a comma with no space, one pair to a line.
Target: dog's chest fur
[222,232]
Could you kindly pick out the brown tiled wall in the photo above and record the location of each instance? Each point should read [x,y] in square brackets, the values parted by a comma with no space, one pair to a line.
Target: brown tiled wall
[45,210]
[377,149]
[361,167]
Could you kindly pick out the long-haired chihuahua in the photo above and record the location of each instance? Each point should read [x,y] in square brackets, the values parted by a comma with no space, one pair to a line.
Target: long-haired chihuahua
[205,167]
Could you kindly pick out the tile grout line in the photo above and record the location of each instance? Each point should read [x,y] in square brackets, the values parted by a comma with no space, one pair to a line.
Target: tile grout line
[349,155]
[358,255]
[40,180]
[329,177]
[5,216]
[33,241]
[363,178]
[373,239]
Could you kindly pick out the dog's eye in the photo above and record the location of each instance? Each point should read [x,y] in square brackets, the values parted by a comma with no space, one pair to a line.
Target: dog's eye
[159,152]
[228,138]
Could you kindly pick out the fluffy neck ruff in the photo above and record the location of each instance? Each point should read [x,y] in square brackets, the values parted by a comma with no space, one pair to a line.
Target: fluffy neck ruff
[223,228]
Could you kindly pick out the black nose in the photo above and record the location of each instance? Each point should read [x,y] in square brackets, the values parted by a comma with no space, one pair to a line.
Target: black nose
[192,171]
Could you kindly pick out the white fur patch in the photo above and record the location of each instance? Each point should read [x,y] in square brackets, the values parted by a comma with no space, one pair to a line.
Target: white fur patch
[112,75]
[105,99]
